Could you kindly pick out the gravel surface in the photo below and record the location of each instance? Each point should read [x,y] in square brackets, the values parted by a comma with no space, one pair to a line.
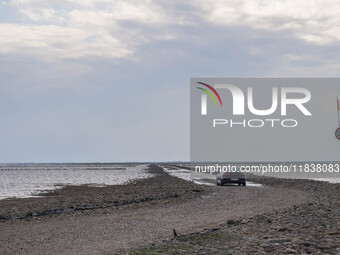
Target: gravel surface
[155,207]
[307,228]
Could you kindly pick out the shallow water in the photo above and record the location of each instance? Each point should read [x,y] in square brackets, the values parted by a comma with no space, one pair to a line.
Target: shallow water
[199,178]
[331,177]
[28,180]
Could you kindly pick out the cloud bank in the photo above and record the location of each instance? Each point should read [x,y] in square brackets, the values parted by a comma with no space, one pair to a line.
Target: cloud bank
[115,29]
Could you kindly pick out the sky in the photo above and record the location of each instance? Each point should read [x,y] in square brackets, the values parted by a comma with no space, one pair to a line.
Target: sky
[108,81]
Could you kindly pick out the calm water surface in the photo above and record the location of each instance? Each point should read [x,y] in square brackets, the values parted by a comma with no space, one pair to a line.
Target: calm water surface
[28,180]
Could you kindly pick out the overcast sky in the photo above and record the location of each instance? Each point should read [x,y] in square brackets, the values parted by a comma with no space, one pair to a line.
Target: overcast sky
[86,80]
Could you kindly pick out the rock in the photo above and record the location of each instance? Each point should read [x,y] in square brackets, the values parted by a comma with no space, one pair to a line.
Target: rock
[279,240]
[327,240]
[308,243]
[326,246]
[268,248]
[332,232]
[291,251]
[231,222]
[296,241]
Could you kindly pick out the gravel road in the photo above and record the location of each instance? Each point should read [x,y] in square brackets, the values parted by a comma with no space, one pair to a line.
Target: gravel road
[156,207]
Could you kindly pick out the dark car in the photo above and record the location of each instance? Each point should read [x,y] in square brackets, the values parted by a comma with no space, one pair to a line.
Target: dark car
[231,177]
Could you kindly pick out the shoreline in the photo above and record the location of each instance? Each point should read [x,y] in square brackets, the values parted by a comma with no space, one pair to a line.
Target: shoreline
[158,205]
[73,198]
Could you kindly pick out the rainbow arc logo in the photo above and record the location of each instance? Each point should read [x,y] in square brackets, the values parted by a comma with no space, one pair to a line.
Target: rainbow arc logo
[209,93]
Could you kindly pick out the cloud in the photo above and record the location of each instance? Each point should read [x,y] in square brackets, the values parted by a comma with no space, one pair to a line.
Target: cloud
[115,29]
[81,29]
[312,21]
[67,3]
[101,73]
[42,14]
[53,42]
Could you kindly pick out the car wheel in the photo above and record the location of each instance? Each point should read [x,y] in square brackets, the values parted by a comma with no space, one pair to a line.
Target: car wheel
[218,184]
[244,184]
[239,184]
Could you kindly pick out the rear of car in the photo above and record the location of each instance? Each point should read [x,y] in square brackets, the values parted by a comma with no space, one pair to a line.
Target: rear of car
[231,177]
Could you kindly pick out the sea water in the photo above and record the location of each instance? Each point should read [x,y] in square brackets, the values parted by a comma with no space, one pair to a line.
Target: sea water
[31,179]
